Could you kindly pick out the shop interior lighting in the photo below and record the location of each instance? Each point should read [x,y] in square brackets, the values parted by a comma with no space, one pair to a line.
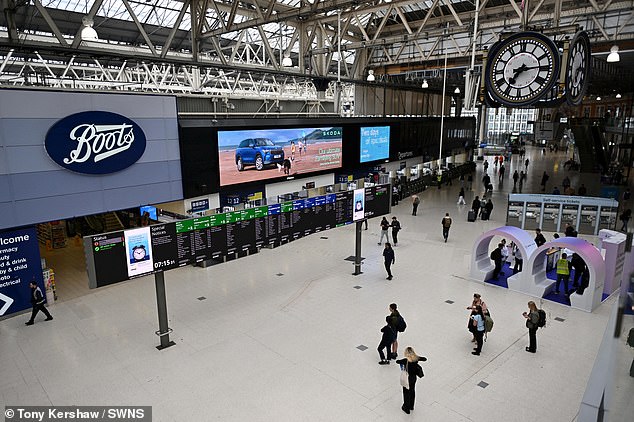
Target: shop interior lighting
[425,84]
[614,57]
[370,75]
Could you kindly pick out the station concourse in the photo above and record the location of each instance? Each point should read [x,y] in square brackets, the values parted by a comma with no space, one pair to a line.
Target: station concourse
[289,334]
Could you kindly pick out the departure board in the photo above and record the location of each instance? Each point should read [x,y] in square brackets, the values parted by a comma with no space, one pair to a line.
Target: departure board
[219,237]
[110,259]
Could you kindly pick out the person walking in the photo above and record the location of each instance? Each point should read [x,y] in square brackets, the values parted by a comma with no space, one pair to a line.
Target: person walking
[388,256]
[501,174]
[387,339]
[385,225]
[37,300]
[396,227]
[461,200]
[485,165]
[532,319]
[496,257]
[469,181]
[516,177]
[539,238]
[625,218]
[545,178]
[526,165]
[477,320]
[475,206]
[415,203]
[563,273]
[446,225]
[414,371]
[489,208]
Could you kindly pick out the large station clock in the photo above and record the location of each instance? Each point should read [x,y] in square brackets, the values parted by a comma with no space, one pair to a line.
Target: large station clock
[521,69]
[578,68]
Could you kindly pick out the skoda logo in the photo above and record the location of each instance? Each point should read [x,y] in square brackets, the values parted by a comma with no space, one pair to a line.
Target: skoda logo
[95,142]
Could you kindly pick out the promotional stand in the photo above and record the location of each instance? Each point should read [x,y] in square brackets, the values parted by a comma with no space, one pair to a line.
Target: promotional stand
[357,249]
[161,303]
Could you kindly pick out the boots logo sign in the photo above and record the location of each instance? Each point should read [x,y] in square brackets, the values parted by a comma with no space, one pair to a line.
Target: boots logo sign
[95,142]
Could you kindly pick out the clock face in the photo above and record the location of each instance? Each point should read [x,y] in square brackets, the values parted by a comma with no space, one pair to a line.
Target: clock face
[521,69]
[578,68]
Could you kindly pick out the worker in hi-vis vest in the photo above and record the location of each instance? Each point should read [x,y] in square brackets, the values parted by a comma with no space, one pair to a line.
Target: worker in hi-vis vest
[563,273]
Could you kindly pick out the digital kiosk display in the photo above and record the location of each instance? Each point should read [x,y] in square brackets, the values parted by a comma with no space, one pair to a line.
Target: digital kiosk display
[250,155]
[138,251]
[377,201]
[359,205]
[375,143]
[150,210]
[108,252]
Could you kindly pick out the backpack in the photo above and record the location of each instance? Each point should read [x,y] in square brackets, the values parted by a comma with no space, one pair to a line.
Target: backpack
[400,324]
[417,200]
[542,318]
[446,222]
[488,323]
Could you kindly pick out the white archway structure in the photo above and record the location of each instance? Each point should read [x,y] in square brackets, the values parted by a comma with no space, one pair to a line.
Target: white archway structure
[537,284]
[481,265]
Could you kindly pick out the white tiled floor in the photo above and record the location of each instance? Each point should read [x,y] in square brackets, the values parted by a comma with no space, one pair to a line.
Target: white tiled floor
[264,347]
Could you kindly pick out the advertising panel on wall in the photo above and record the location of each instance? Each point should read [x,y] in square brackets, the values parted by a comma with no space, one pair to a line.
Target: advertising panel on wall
[374,143]
[70,154]
[258,154]
[19,265]
[119,256]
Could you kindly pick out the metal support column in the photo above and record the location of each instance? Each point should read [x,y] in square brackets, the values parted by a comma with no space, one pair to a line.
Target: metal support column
[357,249]
[161,304]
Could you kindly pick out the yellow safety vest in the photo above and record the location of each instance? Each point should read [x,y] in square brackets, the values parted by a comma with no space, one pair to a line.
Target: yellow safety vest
[562,267]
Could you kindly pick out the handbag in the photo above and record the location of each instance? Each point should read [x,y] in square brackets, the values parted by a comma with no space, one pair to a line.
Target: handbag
[405,377]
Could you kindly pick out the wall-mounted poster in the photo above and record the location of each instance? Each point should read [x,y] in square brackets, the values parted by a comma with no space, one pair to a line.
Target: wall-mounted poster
[250,155]
[375,143]
[138,249]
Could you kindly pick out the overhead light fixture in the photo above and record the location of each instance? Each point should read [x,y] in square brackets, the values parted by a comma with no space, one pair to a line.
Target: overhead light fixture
[287,62]
[456,91]
[370,75]
[88,33]
[618,95]
[598,98]
[614,54]
[425,84]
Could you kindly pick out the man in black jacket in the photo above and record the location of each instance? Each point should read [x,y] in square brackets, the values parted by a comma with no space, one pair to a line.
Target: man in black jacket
[388,255]
[396,226]
[496,256]
[539,238]
[37,299]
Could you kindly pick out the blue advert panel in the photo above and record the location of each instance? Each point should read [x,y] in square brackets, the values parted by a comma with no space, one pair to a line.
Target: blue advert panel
[375,143]
[19,264]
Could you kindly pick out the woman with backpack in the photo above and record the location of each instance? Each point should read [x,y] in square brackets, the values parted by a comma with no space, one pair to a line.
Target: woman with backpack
[477,320]
[386,342]
[477,301]
[414,370]
[532,322]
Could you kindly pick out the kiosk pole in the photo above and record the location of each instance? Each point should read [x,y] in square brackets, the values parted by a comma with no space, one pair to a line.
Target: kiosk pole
[161,304]
[357,249]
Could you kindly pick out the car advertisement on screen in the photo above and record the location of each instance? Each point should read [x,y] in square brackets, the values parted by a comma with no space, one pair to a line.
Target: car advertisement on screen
[138,250]
[375,143]
[250,155]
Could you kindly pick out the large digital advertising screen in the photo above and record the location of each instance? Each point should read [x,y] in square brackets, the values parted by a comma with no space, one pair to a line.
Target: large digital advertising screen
[250,155]
[375,143]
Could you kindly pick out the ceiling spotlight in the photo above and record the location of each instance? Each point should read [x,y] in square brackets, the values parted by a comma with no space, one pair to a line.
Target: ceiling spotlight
[614,54]
[456,91]
[425,84]
[88,33]
[598,98]
[287,62]
[370,75]
[618,95]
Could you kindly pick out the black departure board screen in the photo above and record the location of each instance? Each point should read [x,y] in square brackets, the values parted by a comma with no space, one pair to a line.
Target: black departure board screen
[377,201]
[122,255]
[343,208]
[110,258]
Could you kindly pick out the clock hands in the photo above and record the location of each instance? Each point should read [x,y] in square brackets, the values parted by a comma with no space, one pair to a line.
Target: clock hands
[518,70]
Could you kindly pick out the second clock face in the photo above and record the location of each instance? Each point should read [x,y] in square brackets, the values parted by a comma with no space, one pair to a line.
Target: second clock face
[522,68]
[578,68]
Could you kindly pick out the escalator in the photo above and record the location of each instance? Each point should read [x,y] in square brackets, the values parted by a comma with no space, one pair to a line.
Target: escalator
[588,141]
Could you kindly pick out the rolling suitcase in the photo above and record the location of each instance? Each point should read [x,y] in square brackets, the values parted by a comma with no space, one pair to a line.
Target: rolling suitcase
[471,217]
[485,215]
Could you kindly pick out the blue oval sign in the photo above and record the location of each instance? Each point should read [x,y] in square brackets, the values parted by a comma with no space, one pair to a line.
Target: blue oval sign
[95,142]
